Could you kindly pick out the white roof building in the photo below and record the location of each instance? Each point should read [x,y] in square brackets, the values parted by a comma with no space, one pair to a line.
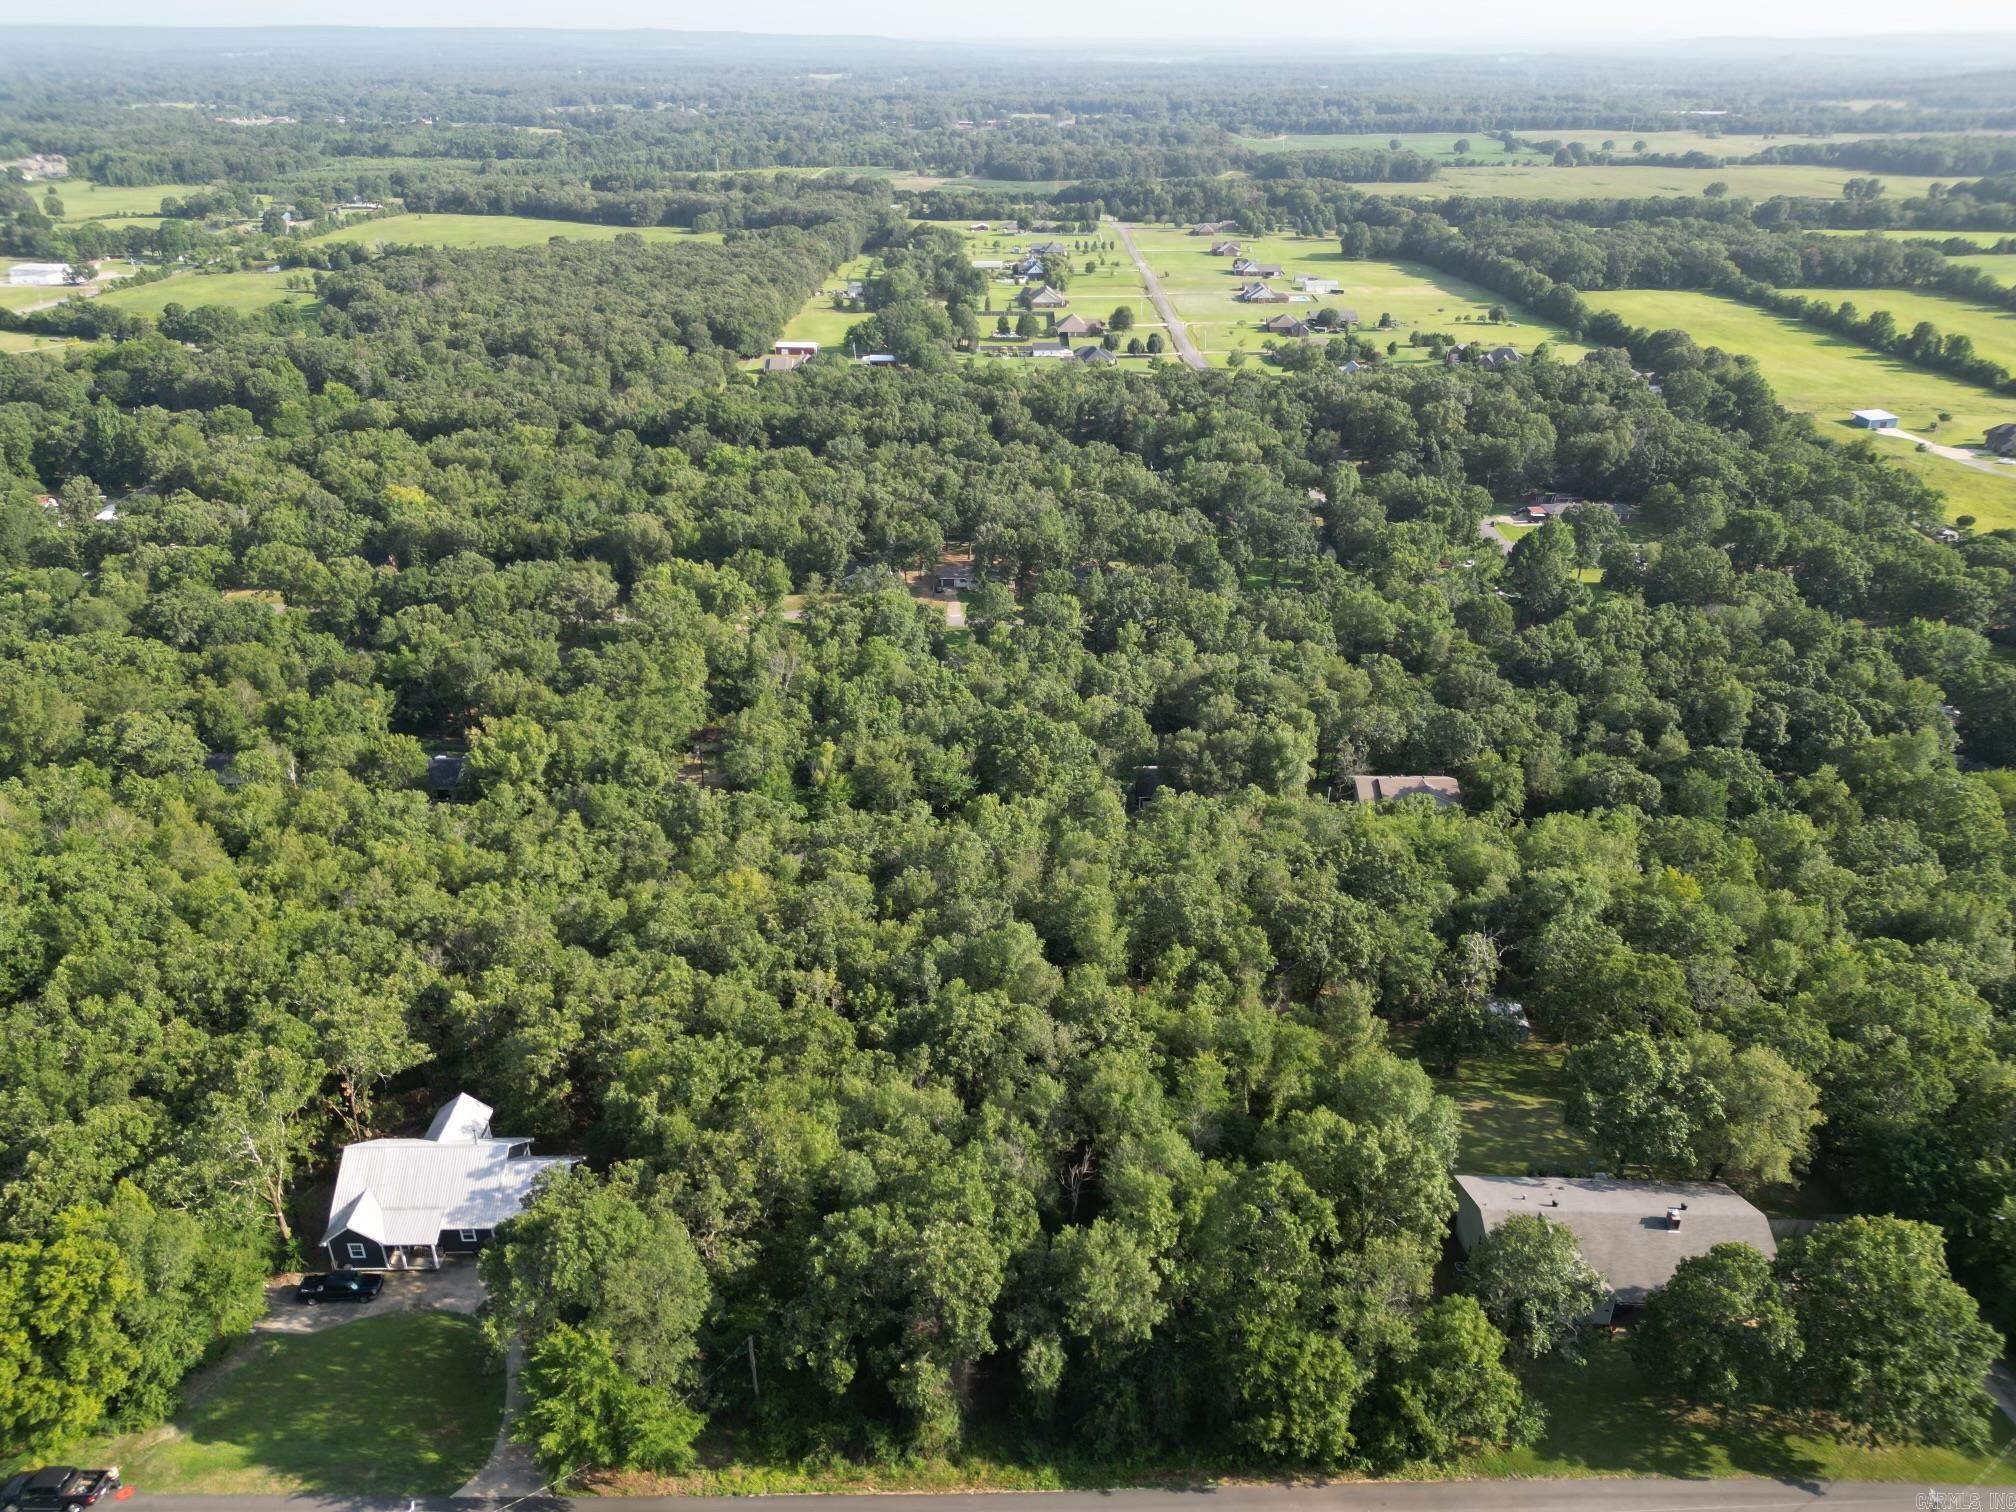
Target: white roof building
[39,274]
[404,1201]
[1874,419]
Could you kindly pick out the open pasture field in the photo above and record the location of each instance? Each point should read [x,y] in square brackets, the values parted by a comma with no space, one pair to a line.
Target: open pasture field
[1431,144]
[243,292]
[1630,181]
[494,231]
[1825,375]
[1417,297]
[1992,330]
[84,201]
[1998,265]
[22,341]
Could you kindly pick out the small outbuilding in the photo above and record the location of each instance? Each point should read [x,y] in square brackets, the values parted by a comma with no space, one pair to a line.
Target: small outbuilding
[2001,439]
[795,348]
[1634,1233]
[1873,419]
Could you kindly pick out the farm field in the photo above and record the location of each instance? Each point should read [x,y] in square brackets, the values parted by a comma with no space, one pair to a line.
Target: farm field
[1827,376]
[1993,331]
[243,292]
[1629,181]
[1999,265]
[83,201]
[494,231]
[1418,298]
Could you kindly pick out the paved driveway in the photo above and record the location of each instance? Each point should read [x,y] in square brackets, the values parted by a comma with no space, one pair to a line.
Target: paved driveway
[453,1288]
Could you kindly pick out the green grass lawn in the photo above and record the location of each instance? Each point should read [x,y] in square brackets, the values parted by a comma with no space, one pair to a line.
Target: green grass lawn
[84,201]
[243,292]
[1826,376]
[1511,1106]
[495,231]
[1998,265]
[1630,181]
[1607,1418]
[22,341]
[405,1404]
[1992,330]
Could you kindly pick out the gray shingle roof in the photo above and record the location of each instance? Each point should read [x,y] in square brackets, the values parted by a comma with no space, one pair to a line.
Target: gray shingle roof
[1622,1225]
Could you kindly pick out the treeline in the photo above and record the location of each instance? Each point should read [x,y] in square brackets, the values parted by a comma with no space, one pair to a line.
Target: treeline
[1941,157]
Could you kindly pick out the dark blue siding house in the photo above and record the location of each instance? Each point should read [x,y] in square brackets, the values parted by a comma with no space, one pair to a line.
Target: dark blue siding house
[404,1203]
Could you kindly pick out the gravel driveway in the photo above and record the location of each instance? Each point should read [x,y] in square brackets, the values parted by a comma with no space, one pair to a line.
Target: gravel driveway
[453,1288]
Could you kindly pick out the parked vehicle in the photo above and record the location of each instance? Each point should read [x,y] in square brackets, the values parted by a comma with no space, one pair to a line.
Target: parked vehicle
[64,1488]
[10,1493]
[339,1286]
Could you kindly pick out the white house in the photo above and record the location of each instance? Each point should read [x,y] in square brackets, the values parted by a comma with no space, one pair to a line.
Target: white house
[404,1203]
[795,348]
[1310,285]
[1873,419]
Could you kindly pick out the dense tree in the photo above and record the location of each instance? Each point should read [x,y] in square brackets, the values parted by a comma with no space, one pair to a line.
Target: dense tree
[1529,1277]
[1720,1330]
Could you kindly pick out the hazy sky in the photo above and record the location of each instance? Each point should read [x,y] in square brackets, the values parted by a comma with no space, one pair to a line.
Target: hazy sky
[1439,22]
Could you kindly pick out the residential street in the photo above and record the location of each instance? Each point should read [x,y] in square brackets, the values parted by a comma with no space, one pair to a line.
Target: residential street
[1179,334]
[1448,1496]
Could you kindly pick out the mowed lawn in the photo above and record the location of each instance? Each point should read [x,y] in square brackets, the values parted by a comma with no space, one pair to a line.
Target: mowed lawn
[405,1404]
[494,231]
[1631,181]
[1827,376]
[1417,297]
[1608,1418]
[1511,1107]
[243,292]
[22,341]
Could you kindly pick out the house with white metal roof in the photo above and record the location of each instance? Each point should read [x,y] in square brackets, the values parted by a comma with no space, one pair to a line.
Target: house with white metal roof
[404,1203]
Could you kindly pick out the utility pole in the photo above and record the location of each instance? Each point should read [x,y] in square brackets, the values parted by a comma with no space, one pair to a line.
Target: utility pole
[755,1383]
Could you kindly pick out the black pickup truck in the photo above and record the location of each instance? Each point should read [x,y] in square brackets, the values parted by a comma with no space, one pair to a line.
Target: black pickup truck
[64,1488]
[339,1286]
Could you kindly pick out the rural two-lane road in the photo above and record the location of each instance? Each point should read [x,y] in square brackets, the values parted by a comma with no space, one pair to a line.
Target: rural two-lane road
[1179,334]
[1442,1496]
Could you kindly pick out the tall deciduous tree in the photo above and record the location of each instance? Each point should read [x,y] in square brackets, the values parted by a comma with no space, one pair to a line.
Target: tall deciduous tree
[1532,1282]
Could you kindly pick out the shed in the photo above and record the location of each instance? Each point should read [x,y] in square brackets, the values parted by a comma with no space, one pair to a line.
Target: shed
[43,275]
[2001,439]
[1635,1233]
[1873,419]
[795,348]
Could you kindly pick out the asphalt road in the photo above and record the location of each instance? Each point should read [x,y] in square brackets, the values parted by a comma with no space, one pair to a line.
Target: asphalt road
[1179,334]
[1442,1496]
